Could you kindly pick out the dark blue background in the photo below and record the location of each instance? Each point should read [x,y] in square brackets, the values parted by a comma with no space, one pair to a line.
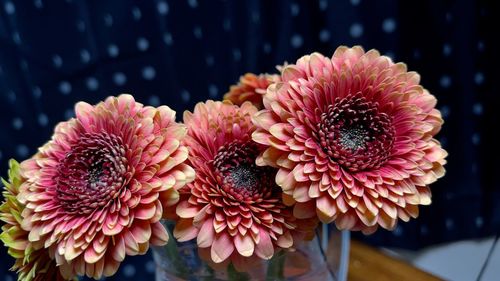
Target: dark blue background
[55,53]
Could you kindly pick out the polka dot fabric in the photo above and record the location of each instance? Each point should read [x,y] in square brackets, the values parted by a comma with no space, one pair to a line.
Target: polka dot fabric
[55,53]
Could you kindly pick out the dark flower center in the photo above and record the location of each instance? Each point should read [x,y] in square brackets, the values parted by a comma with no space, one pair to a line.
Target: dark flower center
[355,134]
[240,176]
[91,173]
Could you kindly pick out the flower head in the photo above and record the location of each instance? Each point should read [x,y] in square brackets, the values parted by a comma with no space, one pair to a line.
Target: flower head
[97,191]
[352,137]
[233,207]
[250,88]
[33,263]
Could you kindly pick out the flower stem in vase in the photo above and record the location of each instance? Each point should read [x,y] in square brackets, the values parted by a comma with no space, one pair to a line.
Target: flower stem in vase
[172,252]
[234,275]
[276,267]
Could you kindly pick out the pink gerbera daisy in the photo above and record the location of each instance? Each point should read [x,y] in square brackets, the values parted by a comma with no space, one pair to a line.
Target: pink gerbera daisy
[352,137]
[97,191]
[251,88]
[233,207]
[32,262]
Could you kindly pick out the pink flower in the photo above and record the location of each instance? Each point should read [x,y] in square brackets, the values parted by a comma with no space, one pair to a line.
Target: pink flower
[97,191]
[352,137]
[250,88]
[233,207]
[33,262]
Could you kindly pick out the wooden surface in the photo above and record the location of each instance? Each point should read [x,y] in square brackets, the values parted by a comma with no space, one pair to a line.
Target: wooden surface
[369,264]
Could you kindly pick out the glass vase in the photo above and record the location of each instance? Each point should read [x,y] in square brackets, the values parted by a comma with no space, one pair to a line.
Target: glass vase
[325,257]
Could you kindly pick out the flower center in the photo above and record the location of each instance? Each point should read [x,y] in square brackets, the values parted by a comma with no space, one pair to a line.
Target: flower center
[91,173]
[240,176]
[355,134]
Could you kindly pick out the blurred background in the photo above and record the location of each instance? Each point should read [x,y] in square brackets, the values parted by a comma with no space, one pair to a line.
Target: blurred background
[55,53]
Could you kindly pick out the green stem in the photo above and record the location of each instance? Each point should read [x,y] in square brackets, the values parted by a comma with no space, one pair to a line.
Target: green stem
[172,252]
[234,275]
[276,267]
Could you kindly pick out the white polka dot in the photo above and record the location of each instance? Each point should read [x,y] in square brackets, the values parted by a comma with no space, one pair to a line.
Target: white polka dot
[22,150]
[193,3]
[323,4]
[390,54]
[197,32]
[185,96]
[37,92]
[416,54]
[448,196]
[65,87]
[136,13]
[324,35]
[447,49]
[209,60]
[389,25]
[150,266]
[443,140]
[294,9]
[16,38]
[226,24]
[424,230]
[12,96]
[38,4]
[476,139]
[57,61]
[236,54]
[296,41]
[17,123]
[148,73]
[356,30]
[10,9]
[84,56]
[445,81]
[69,113]
[119,78]
[355,2]
[445,111]
[154,100]
[162,7]
[398,231]
[108,20]
[142,44]
[267,48]
[128,270]
[449,223]
[255,16]
[9,278]
[43,120]
[24,64]
[92,83]
[80,25]
[480,46]
[167,38]
[449,17]
[473,168]
[479,222]
[479,78]
[477,108]
[113,50]
[213,91]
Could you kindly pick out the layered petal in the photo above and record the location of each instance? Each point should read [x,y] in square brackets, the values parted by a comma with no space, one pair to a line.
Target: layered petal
[97,190]
[352,137]
[251,88]
[233,207]
[32,262]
